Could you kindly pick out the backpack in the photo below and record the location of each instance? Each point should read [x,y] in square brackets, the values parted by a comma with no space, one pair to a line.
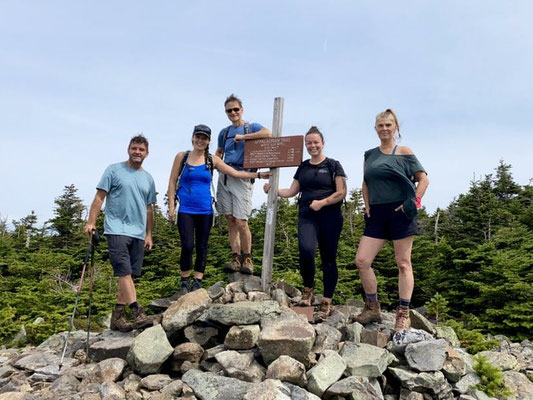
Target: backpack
[225,138]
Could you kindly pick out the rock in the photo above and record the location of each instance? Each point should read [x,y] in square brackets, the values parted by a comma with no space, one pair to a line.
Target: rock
[239,297]
[204,336]
[345,388]
[287,369]
[289,334]
[325,373]
[213,351]
[408,395]
[252,284]
[243,313]
[454,367]
[6,371]
[327,338]
[427,355]
[111,348]
[401,339]
[174,388]
[216,291]
[185,310]
[258,296]
[270,389]
[281,297]
[214,367]
[160,305]
[519,384]
[38,360]
[365,360]
[13,396]
[156,381]
[337,320]
[505,362]
[110,390]
[190,352]
[464,384]
[131,384]
[289,290]
[241,366]
[65,384]
[209,386]
[353,332]
[235,286]
[418,321]
[447,332]
[77,340]
[434,382]
[150,350]
[374,337]
[242,337]
[110,369]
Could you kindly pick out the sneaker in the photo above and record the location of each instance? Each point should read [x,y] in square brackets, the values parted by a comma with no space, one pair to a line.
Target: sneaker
[308,297]
[403,321]
[140,319]
[371,313]
[184,288]
[119,321]
[234,265]
[195,285]
[247,266]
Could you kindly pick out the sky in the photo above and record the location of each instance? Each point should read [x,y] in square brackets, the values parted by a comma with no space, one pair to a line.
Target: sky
[79,79]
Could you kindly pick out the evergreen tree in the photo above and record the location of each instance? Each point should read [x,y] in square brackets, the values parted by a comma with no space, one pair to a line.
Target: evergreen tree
[68,221]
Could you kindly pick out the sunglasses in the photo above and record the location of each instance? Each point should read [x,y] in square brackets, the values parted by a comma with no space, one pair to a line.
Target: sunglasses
[230,110]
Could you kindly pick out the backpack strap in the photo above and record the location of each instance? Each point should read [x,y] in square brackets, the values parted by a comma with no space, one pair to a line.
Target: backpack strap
[182,168]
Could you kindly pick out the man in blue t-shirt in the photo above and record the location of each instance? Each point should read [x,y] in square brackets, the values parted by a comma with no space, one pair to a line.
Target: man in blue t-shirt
[129,192]
[234,196]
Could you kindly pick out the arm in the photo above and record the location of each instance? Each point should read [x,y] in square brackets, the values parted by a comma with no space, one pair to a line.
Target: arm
[148,243]
[174,174]
[224,168]
[96,206]
[262,134]
[366,198]
[220,152]
[422,183]
[338,195]
[285,193]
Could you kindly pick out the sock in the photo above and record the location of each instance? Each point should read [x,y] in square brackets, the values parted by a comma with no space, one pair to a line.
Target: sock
[119,305]
[133,305]
[404,303]
[371,296]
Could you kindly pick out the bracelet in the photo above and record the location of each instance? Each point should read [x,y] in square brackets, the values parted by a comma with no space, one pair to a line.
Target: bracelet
[418,202]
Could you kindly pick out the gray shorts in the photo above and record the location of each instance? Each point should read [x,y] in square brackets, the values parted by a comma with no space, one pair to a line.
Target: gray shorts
[126,254]
[235,197]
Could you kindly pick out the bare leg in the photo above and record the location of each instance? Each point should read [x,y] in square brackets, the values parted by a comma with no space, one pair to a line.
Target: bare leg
[367,251]
[126,290]
[402,253]
[245,235]
[234,239]
[198,275]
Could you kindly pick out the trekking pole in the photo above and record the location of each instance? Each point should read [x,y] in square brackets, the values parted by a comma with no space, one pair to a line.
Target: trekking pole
[71,322]
[94,242]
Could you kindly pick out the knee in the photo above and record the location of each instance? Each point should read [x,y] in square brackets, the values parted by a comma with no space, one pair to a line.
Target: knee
[231,220]
[404,264]
[241,224]
[362,263]
[187,246]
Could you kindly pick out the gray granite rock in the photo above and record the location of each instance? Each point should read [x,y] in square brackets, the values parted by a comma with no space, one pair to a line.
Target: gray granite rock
[432,382]
[505,362]
[39,359]
[270,389]
[281,297]
[454,367]
[242,337]
[447,332]
[365,360]
[327,338]
[149,351]
[519,384]
[466,382]
[325,373]
[174,388]
[418,321]
[242,313]
[427,355]
[374,337]
[111,390]
[353,387]
[111,348]
[217,290]
[185,310]
[258,296]
[110,369]
[287,369]
[353,332]
[156,381]
[209,386]
[241,366]
[202,335]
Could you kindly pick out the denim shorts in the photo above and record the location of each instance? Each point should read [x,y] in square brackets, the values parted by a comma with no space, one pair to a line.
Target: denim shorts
[385,223]
[126,254]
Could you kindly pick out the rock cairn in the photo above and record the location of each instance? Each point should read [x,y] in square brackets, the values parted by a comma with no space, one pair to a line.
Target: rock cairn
[234,341]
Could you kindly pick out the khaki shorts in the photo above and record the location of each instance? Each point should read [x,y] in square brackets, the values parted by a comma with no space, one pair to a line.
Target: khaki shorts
[235,197]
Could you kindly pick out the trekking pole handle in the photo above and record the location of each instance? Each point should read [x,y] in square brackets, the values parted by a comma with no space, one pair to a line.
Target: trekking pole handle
[94,238]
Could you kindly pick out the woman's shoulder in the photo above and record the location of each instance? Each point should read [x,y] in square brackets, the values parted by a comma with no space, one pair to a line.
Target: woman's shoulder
[404,151]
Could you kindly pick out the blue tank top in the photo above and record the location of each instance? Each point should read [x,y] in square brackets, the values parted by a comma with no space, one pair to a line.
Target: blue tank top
[194,192]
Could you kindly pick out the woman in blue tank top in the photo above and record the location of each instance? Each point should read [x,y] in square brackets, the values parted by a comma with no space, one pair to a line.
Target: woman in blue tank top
[394,183]
[190,183]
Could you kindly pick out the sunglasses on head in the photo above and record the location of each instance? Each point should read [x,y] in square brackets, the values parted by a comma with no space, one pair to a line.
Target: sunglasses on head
[230,110]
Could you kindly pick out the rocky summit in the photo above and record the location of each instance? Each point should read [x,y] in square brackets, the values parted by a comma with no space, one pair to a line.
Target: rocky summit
[234,341]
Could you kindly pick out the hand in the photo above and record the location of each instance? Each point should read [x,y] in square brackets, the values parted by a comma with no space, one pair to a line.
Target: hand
[266,187]
[171,212]
[367,211]
[148,242]
[238,138]
[400,208]
[316,205]
[265,175]
[89,229]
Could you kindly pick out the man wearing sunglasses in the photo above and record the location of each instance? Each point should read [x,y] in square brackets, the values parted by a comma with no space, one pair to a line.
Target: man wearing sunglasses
[234,196]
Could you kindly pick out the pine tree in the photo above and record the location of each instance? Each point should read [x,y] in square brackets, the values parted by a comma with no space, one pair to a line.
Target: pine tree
[68,221]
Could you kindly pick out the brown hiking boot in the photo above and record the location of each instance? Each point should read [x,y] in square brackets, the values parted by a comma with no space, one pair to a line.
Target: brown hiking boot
[247,266]
[119,321]
[234,265]
[140,319]
[325,309]
[403,321]
[308,297]
[371,313]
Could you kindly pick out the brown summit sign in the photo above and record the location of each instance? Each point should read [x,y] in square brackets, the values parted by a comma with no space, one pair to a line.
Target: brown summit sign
[283,151]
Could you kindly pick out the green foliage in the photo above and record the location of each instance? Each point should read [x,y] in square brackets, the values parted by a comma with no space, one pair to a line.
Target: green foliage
[472,340]
[438,307]
[491,378]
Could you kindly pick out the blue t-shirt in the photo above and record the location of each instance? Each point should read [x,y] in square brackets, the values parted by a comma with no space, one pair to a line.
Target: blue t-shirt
[194,192]
[129,191]
[234,151]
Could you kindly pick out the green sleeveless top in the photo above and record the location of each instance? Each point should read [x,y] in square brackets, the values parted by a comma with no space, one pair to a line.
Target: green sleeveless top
[390,177]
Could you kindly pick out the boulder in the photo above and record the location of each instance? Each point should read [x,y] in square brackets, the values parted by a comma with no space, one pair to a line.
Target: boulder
[174,388]
[209,386]
[353,332]
[289,334]
[447,332]
[418,321]
[287,369]
[149,351]
[156,381]
[374,337]
[205,336]
[242,337]
[467,381]
[239,297]
[252,284]
[241,366]
[191,352]
[454,367]
[325,373]
[427,355]
[110,369]
[242,313]
[111,348]
[270,389]
[505,362]
[432,382]
[185,310]
[281,297]
[217,290]
[39,359]
[365,360]
[519,384]
[110,390]
[327,338]
[258,296]
[353,387]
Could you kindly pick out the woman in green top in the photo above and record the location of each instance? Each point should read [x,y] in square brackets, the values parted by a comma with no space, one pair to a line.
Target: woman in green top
[393,186]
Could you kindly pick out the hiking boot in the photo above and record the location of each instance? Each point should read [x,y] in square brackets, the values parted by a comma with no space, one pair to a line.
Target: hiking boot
[403,321]
[234,265]
[371,313]
[308,297]
[195,285]
[325,309]
[119,321]
[140,319]
[247,266]
[184,288]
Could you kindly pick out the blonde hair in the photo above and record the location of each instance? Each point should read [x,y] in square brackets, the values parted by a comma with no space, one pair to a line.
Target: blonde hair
[388,113]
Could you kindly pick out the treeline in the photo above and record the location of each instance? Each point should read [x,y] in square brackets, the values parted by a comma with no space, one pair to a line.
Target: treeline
[476,254]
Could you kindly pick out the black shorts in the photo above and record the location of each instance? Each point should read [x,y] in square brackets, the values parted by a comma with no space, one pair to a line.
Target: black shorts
[126,254]
[385,223]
